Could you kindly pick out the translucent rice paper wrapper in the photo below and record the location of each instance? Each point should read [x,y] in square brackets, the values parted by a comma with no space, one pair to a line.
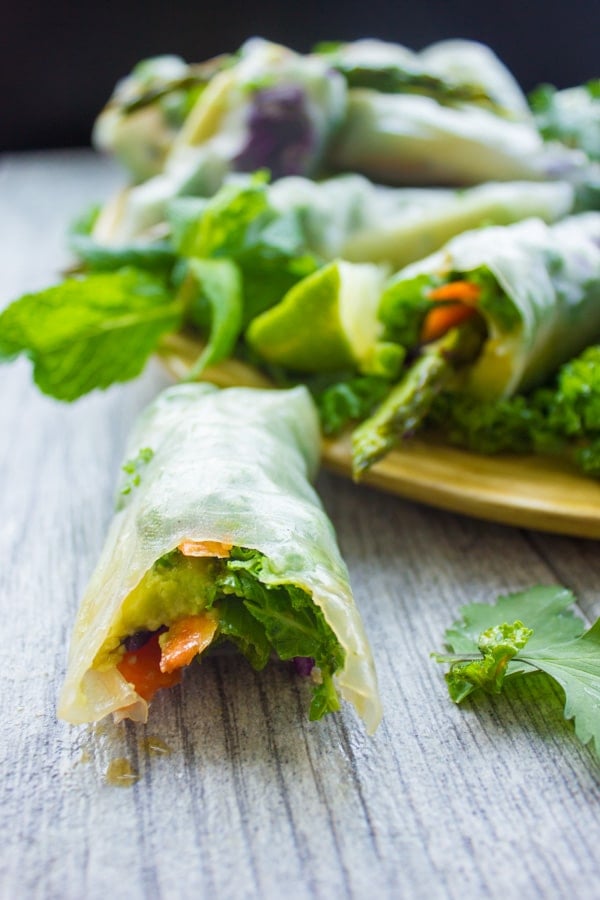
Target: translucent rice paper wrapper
[214,136]
[411,139]
[351,217]
[231,466]
[551,278]
[455,61]
[406,138]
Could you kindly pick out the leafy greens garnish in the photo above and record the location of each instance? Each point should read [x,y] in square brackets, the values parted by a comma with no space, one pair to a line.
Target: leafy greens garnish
[239,224]
[89,332]
[344,400]
[562,418]
[214,304]
[523,633]
[282,618]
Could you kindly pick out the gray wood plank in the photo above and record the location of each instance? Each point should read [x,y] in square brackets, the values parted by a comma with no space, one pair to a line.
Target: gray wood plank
[497,799]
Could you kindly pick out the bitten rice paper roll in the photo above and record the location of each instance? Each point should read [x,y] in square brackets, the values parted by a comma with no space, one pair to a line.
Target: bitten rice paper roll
[220,536]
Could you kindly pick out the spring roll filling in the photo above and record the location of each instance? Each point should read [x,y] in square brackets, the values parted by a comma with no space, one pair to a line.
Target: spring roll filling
[189,601]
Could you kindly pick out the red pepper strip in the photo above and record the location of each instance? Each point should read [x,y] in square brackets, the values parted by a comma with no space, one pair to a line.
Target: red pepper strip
[141,668]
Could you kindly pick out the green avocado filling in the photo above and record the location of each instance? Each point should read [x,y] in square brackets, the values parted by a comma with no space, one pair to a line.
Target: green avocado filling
[259,619]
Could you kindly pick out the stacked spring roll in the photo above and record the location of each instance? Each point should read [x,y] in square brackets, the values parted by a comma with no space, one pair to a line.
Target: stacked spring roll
[496,311]
[219,536]
[450,115]
[267,108]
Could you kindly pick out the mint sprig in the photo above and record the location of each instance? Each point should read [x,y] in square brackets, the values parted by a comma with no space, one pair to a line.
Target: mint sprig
[89,332]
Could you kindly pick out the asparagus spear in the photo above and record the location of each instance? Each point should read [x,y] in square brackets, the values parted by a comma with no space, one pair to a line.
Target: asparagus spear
[410,400]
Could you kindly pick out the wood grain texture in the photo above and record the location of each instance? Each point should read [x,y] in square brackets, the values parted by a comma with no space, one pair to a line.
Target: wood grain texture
[496,799]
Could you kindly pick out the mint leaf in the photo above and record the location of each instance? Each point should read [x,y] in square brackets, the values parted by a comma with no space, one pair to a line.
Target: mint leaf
[239,224]
[89,332]
[212,295]
[223,225]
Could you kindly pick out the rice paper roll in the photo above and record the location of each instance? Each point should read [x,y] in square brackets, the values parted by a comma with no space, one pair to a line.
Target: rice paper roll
[571,116]
[219,524]
[411,139]
[536,286]
[450,71]
[273,109]
[148,108]
[452,114]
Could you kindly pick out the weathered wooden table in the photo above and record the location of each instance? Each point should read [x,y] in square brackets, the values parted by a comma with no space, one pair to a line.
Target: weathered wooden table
[238,794]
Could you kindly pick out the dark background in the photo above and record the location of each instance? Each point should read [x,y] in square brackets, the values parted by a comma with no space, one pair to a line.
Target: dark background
[59,60]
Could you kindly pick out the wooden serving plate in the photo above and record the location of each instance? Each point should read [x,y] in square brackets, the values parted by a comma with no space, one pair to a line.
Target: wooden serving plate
[528,491]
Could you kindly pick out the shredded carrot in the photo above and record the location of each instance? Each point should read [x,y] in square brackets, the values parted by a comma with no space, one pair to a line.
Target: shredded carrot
[461,291]
[459,299]
[205,548]
[185,639]
[442,318]
[141,668]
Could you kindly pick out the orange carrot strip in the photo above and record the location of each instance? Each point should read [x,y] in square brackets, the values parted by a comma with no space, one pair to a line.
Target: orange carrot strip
[184,640]
[461,291]
[205,548]
[442,318]
[141,668]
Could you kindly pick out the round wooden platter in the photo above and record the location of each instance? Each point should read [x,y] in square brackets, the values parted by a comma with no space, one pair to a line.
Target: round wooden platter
[527,491]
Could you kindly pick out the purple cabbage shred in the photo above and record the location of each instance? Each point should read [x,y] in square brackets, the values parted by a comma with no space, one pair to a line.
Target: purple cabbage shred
[136,641]
[281,136]
[303,665]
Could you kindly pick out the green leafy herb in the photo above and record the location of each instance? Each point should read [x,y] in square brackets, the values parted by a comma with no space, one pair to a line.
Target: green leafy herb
[133,468]
[239,224]
[485,649]
[348,400]
[89,332]
[212,295]
[498,645]
[404,306]
[563,418]
[292,624]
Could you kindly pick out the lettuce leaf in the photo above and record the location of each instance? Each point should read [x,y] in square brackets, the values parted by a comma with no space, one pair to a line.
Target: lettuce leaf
[89,332]
[284,618]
